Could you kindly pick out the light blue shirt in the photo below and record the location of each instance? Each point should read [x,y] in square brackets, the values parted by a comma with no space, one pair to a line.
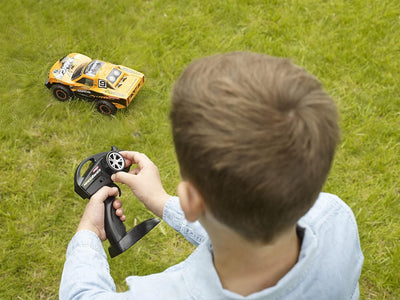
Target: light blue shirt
[328,267]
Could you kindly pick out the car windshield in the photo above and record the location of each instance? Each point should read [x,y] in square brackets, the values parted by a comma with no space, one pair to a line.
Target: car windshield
[93,67]
[77,73]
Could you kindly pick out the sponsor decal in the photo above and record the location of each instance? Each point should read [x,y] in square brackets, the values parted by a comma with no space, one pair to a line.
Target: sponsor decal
[66,66]
[92,177]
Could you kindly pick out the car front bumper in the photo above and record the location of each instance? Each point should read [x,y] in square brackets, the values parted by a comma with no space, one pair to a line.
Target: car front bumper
[48,84]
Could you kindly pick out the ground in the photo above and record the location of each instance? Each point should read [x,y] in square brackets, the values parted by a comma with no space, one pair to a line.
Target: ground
[352,46]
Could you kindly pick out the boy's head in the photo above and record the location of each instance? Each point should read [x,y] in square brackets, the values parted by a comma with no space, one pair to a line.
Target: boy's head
[256,136]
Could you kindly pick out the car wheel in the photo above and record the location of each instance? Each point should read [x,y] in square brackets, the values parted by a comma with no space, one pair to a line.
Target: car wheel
[62,93]
[115,161]
[106,108]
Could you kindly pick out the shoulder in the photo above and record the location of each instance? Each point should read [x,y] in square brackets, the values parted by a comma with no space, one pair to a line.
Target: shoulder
[175,282]
[337,259]
[194,278]
[334,225]
[328,208]
[168,286]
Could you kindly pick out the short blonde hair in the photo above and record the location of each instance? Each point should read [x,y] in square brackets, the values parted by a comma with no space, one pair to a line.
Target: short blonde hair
[256,135]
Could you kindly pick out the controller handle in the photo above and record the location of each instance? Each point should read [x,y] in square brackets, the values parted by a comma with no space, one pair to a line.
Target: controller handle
[119,239]
[115,229]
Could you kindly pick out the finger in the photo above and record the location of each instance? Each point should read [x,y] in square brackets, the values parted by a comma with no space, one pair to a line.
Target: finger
[138,158]
[117,203]
[120,213]
[121,216]
[135,171]
[123,177]
[105,192]
[129,156]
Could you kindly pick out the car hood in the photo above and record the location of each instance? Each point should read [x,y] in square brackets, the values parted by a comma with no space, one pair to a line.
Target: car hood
[127,81]
[65,67]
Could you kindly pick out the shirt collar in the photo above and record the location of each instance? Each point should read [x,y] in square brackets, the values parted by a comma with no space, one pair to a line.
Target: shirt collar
[203,282]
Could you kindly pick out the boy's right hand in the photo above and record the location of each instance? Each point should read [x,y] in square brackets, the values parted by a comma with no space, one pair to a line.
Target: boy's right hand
[144,181]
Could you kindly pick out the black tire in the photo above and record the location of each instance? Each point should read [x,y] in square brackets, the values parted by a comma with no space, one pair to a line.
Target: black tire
[62,93]
[106,108]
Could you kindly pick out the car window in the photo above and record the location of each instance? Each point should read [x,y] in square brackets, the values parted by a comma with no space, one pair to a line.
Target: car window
[77,73]
[86,81]
[93,67]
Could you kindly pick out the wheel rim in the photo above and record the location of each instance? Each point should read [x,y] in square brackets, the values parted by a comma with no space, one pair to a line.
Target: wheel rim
[116,161]
[61,95]
[105,109]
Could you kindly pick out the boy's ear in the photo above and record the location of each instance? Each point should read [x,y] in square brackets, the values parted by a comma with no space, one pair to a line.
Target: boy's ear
[192,202]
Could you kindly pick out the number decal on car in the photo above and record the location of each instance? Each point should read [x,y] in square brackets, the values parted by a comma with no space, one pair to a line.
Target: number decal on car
[102,84]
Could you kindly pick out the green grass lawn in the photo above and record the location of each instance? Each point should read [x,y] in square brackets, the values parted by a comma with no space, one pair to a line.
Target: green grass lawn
[352,46]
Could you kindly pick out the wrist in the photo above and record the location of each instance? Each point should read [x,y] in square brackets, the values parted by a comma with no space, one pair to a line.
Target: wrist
[84,226]
[157,206]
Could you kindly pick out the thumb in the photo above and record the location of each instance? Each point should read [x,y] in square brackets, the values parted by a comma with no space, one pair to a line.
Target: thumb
[123,177]
[103,194]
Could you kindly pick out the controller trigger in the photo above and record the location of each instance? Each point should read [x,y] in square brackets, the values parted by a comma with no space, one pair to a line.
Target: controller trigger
[119,190]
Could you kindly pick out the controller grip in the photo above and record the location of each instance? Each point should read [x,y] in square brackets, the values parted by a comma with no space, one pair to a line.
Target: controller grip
[115,229]
[119,239]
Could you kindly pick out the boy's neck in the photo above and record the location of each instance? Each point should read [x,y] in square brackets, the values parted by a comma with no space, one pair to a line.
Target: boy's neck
[247,267]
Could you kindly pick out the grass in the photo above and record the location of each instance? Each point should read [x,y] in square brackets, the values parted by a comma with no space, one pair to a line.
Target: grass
[352,46]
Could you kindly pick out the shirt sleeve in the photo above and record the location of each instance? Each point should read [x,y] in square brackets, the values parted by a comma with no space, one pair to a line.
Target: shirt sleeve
[86,273]
[174,217]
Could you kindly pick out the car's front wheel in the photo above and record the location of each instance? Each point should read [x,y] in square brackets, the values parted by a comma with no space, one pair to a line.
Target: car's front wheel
[106,108]
[62,93]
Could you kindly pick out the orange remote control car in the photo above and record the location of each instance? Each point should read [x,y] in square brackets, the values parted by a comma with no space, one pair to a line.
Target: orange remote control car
[110,86]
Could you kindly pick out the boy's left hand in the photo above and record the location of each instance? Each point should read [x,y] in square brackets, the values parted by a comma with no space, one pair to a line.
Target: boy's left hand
[93,216]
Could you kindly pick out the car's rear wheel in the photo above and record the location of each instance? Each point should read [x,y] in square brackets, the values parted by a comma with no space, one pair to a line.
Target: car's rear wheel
[62,93]
[106,108]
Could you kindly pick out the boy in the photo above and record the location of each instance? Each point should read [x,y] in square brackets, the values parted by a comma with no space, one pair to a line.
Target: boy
[255,137]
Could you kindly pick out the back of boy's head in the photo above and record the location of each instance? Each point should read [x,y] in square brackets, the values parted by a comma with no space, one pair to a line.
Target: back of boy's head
[256,135]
